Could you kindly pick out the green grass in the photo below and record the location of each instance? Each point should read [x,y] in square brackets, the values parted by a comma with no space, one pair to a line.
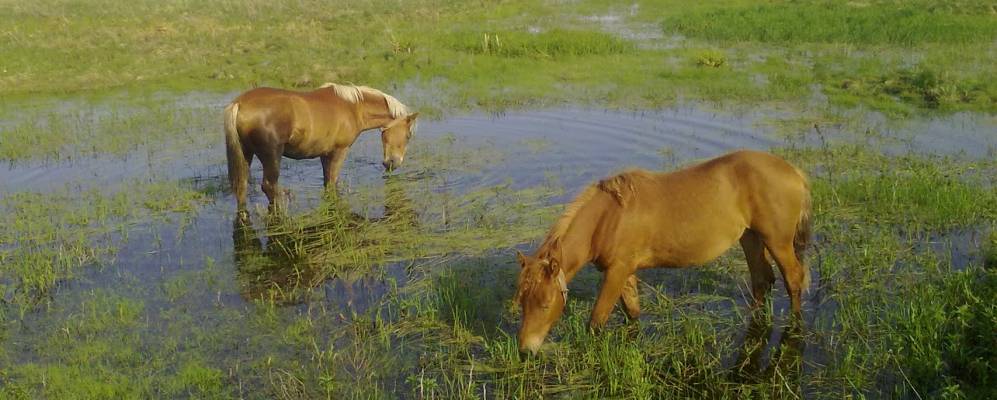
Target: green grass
[940,338]
[881,22]
[905,90]
[501,58]
[914,192]
[990,251]
[852,50]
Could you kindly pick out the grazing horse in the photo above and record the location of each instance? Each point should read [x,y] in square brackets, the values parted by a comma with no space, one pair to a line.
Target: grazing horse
[273,123]
[640,219]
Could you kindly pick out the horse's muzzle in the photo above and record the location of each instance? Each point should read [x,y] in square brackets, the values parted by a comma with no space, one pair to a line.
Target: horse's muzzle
[530,346]
[391,164]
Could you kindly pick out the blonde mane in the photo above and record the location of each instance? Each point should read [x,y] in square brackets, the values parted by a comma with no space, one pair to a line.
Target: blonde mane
[355,94]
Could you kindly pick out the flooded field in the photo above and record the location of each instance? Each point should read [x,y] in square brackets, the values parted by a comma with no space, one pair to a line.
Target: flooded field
[125,271]
[401,285]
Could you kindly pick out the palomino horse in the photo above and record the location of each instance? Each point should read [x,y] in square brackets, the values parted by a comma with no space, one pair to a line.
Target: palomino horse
[640,219]
[271,123]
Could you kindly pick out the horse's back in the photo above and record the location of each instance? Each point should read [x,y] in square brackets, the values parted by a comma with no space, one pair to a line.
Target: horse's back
[766,177]
[729,174]
[274,99]
[773,194]
[765,164]
[278,109]
[301,124]
[265,111]
[693,214]
[275,94]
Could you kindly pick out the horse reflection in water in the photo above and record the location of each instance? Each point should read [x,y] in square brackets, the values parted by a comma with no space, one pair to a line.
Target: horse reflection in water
[283,268]
[785,362]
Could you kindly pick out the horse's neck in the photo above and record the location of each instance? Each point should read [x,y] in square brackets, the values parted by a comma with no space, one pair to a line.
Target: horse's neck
[576,243]
[373,112]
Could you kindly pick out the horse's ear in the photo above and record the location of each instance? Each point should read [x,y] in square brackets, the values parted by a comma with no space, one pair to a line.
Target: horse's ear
[521,258]
[411,117]
[555,250]
[553,265]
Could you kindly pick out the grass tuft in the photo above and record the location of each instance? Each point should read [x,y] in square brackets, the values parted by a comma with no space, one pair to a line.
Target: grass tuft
[711,58]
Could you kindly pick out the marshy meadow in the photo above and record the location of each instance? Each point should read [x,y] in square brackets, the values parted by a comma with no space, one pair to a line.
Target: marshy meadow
[127,273]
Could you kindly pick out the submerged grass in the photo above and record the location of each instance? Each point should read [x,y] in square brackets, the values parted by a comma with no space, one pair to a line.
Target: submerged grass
[446,329]
[77,129]
[47,238]
[409,219]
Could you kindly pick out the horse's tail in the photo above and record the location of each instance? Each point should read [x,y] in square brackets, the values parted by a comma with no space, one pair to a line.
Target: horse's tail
[238,168]
[802,237]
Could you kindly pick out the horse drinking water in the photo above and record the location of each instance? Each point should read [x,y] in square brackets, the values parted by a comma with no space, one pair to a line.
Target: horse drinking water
[640,219]
[273,123]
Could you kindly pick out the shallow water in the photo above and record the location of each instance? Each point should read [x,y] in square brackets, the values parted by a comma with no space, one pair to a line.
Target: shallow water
[575,144]
[193,267]
[572,146]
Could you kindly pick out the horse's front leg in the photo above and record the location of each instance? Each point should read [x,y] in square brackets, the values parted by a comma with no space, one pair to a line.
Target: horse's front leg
[629,298]
[331,164]
[609,294]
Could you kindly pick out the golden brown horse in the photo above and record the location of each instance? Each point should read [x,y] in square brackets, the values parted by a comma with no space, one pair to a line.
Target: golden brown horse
[640,219]
[273,123]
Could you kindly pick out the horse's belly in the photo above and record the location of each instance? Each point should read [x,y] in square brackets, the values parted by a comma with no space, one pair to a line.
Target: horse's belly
[307,148]
[684,250]
[298,155]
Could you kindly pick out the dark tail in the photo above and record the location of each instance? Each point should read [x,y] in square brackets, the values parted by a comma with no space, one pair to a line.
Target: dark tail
[238,168]
[802,237]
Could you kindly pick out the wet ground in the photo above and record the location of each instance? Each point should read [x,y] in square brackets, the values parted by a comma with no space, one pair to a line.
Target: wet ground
[190,266]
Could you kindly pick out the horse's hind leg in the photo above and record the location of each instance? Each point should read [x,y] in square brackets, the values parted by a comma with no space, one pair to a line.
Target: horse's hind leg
[762,277]
[631,303]
[792,271]
[270,158]
[242,183]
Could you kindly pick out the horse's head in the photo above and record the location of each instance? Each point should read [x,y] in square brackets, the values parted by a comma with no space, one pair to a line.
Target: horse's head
[542,294]
[395,136]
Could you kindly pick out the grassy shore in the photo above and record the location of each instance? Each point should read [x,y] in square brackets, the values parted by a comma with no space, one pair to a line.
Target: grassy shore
[912,57]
